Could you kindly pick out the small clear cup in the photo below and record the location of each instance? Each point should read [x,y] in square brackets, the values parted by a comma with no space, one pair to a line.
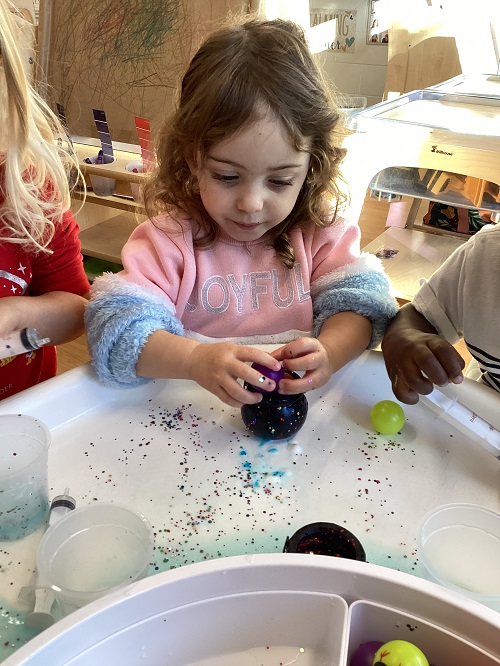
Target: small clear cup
[135,166]
[102,186]
[24,493]
[92,551]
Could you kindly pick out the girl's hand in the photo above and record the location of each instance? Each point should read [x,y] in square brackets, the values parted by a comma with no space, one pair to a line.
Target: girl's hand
[308,356]
[218,367]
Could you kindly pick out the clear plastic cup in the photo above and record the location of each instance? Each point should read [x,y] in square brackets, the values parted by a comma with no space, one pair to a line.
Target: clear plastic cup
[102,186]
[24,496]
[92,551]
[135,167]
[459,547]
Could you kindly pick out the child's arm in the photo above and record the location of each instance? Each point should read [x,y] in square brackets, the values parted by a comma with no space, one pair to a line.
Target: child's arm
[134,335]
[416,357]
[58,290]
[57,315]
[343,336]
[215,366]
[352,307]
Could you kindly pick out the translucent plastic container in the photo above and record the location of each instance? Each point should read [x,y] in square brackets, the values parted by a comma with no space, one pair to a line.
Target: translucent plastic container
[135,166]
[92,551]
[459,547]
[24,497]
[374,622]
[101,185]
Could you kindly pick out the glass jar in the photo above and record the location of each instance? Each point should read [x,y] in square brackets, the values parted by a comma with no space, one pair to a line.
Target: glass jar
[326,539]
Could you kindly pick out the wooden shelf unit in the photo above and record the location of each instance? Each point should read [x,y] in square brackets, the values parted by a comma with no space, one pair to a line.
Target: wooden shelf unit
[117,202]
[104,233]
[105,240]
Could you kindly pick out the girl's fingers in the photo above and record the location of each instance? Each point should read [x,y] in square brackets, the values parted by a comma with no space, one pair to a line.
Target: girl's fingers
[305,363]
[252,355]
[234,399]
[236,394]
[259,380]
[308,382]
[278,353]
[299,347]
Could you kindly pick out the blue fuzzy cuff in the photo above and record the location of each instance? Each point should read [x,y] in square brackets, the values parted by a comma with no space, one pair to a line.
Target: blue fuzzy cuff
[118,323]
[368,294]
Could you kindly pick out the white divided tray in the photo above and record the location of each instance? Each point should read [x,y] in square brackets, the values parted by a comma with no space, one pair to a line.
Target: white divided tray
[268,610]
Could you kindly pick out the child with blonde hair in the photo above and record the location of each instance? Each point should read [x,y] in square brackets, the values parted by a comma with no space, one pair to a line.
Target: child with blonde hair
[42,281]
[246,243]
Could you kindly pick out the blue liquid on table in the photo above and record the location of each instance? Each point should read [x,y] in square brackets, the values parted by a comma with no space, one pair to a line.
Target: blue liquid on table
[14,633]
[22,517]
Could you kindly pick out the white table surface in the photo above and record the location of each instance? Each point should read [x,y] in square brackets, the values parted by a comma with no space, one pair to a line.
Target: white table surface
[175,453]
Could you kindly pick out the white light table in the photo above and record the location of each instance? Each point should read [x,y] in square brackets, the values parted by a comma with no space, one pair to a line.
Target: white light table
[175,453]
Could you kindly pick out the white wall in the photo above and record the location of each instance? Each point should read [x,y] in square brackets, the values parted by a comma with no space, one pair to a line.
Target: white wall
[476,27]
[358,74]
[361,73]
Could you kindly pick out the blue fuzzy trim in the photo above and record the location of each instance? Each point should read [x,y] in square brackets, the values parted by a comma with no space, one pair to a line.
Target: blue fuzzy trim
[367,294]
[117,327]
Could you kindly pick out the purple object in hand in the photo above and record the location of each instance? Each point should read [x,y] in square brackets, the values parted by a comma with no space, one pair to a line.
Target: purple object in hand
[365,653]
[275,375]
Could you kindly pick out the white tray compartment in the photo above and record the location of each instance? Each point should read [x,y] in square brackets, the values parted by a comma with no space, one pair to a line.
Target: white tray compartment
[259,627]
[375,622]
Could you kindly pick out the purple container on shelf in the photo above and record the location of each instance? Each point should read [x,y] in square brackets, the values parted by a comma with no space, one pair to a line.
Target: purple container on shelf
[102,186]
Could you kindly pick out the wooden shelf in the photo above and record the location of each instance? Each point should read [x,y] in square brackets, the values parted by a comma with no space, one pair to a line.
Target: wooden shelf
[116,169]
[105,240]
[120,203]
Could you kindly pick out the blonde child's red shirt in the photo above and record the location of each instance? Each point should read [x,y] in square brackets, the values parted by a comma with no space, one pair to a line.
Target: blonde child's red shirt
[28,274]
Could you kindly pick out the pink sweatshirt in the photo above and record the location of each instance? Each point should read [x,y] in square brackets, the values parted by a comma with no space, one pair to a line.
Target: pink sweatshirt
[235,291]
[239,290]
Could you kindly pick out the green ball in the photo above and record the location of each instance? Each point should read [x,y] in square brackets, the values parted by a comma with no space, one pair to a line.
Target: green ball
[400,653]
[387,417]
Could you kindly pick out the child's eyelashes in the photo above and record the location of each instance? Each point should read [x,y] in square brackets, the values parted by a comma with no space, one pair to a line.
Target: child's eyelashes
[225,178]
[232,178]
[281,183]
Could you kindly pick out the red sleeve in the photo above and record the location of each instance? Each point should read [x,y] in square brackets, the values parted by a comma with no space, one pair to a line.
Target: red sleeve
[63,269]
